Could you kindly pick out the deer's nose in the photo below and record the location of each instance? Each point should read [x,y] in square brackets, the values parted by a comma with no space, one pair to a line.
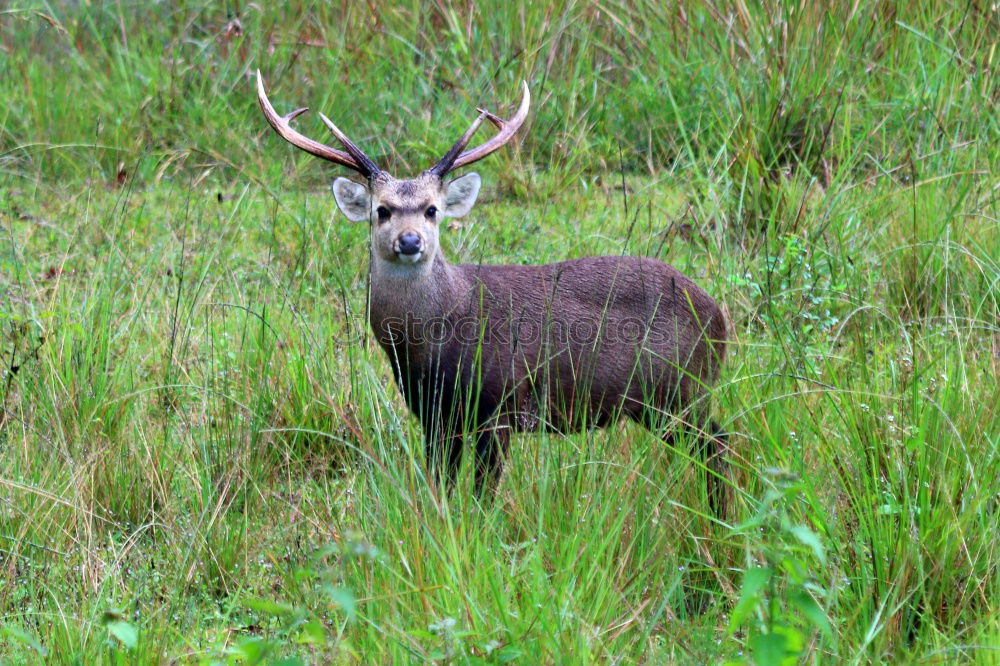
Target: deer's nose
[409,243]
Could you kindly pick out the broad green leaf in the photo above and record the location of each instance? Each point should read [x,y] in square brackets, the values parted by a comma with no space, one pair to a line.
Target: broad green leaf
[754,580]
[769,649]
[809,538]
[808,607]
[22,636]
[253,649]
[124,632]
[508,654]
[343,598]
[422,634]
[312,632]
[794,641]
[268,606]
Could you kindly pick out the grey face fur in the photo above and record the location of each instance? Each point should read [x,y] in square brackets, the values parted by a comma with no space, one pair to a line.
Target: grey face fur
[400,209]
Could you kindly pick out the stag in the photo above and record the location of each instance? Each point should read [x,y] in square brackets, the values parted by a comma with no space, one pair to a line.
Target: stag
[483,351]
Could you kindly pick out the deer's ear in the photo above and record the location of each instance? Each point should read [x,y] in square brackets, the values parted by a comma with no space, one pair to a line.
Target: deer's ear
[461,195]
[352,198]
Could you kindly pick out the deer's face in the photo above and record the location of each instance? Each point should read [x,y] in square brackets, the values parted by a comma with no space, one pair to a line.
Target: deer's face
[405,215]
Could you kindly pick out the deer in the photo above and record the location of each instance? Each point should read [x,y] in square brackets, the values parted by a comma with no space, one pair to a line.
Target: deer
[480,352]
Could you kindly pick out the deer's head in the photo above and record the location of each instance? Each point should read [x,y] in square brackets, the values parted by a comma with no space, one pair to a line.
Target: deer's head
[404,213]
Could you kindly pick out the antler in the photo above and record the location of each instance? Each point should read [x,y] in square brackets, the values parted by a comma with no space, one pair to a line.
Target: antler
[455,158]
[354,158]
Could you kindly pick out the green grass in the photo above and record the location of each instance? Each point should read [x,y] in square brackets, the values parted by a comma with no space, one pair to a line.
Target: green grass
[203,457]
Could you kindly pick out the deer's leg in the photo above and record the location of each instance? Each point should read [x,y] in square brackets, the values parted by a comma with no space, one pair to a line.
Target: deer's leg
[491,451]
[710,447]
[444,455]
[713,449]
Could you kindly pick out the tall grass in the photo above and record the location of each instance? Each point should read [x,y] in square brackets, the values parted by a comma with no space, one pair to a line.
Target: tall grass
[203,457]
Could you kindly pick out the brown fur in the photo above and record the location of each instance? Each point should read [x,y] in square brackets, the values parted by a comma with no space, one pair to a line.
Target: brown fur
[492,350]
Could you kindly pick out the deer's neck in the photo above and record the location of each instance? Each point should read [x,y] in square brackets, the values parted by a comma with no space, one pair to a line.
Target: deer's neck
[405,299]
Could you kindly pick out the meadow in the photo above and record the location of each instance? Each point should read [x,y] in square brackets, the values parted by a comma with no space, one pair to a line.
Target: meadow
[203,456]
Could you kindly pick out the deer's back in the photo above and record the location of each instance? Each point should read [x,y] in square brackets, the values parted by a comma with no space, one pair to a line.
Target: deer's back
[574,340]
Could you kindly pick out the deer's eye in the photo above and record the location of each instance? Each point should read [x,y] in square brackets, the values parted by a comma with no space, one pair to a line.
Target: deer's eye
[431,212]
[383,213]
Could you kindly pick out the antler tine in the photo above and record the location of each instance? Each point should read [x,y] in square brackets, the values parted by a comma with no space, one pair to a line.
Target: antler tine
[282,125]
[355,152]
[444,165]
[494,119]
[506,128]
